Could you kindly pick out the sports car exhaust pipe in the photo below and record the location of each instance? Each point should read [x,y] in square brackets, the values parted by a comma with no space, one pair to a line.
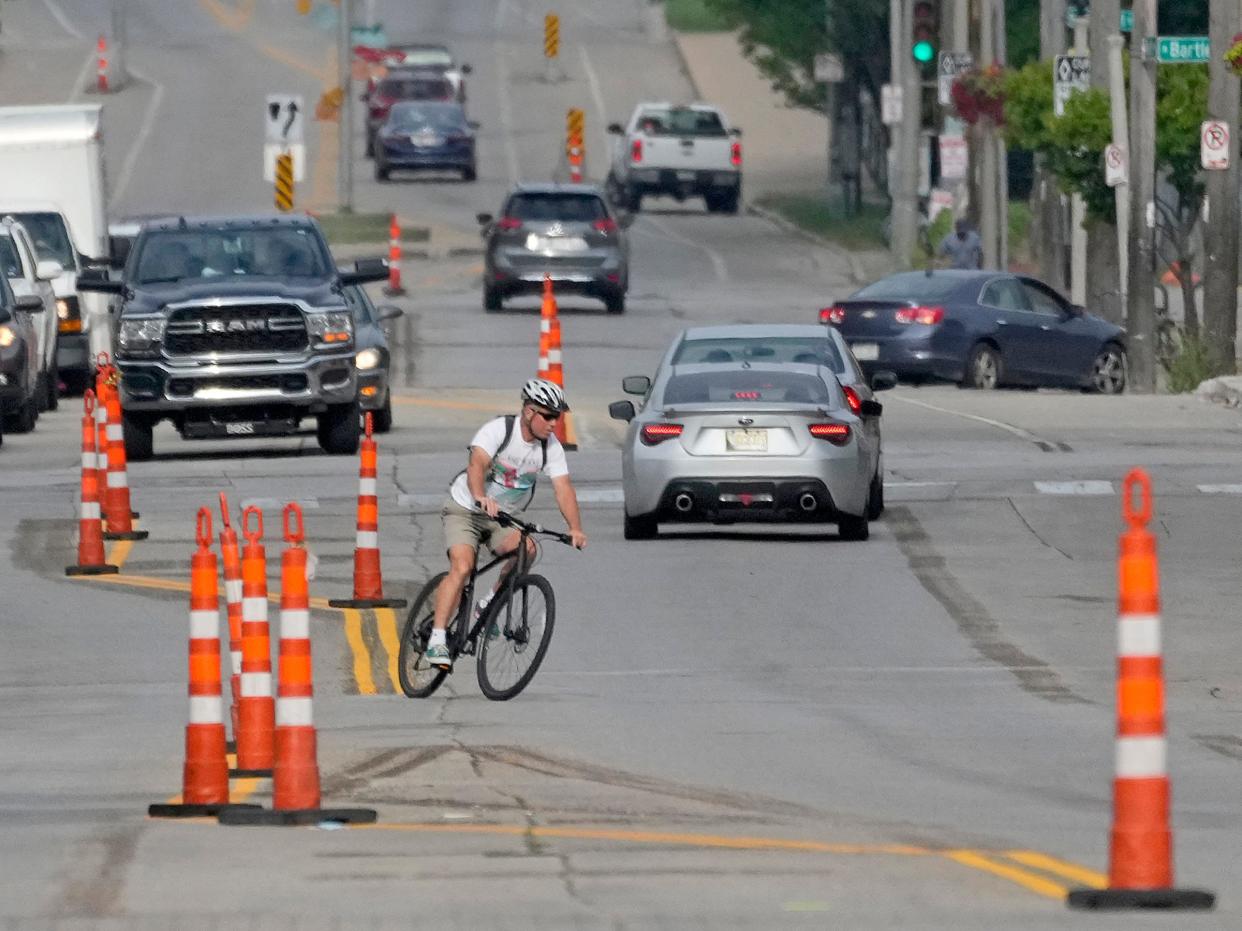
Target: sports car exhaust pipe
[808,502]
[684,503]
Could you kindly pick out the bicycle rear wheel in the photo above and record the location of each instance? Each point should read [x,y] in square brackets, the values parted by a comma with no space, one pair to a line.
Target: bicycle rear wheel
[515,636]
[418,678]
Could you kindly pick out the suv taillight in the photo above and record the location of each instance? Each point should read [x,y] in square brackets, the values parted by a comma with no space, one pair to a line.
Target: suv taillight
[927,316]
[606,226]
[636,151]
[838,434]
[655,433]
[735,154]
[834,315]
[508,224]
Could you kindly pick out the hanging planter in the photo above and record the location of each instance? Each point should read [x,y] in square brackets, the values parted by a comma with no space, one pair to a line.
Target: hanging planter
[1233,55]
[980,94]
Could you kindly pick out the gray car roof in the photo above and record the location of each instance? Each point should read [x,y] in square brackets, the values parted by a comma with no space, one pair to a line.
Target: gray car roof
[553,187]
[740,330]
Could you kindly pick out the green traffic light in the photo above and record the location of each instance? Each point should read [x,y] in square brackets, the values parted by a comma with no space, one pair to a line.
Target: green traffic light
[923,52]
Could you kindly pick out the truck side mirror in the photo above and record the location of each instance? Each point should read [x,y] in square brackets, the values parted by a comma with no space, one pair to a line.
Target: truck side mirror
[615,129]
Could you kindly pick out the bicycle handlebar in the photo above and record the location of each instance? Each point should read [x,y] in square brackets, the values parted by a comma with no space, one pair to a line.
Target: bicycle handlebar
[505,519]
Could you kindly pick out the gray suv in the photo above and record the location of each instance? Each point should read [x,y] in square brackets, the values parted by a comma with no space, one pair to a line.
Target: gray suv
[567,231]
[236,326]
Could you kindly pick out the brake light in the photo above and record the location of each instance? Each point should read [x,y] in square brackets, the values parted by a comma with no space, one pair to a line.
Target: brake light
[927,316]
[735,154]
[852,399]
[605,226]
[655,433]
[838,434]
[636,151]
[746,395]
[834,315]
[508,224]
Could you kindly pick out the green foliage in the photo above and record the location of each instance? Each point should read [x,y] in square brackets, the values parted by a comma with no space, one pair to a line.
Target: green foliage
[1181,106]
[696,16]
[816,215]
[1074,149]
[1021,31]
[1028,106]
[1190,366]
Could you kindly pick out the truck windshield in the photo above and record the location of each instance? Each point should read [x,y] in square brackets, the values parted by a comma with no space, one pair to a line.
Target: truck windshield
[51,239]
[171,255]
[681,122]
[10,265]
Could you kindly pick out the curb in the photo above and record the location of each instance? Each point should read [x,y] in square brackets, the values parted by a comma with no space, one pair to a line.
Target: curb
[857,274]
[685,64]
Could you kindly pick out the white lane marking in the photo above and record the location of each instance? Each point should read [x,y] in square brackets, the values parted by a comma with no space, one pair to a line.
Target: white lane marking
[1074,488]
[1220,489]
[999,424]
[140,140]
[505,102]
[888,484]
[601,495]
[597,96]
[717,260]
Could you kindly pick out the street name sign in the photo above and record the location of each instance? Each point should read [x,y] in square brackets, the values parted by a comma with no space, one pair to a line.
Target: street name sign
[1177,50]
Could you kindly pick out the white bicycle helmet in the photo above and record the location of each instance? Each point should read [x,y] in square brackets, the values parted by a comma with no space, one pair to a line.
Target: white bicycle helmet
[545,393]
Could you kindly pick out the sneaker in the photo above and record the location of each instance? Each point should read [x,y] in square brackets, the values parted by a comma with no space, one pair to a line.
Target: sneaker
[438,655]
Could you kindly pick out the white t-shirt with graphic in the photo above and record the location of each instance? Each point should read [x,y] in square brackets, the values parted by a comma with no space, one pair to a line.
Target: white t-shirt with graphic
[511,476]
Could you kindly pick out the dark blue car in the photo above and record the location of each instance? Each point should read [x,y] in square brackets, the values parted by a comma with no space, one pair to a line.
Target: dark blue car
[425,135]
[980,329]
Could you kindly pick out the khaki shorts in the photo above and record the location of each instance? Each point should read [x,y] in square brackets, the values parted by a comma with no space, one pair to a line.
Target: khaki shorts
[463,527]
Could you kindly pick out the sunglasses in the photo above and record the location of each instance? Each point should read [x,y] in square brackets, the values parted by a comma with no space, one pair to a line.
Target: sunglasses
[549,416]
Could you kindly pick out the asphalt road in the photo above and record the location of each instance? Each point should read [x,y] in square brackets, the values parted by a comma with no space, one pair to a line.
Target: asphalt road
[734,727]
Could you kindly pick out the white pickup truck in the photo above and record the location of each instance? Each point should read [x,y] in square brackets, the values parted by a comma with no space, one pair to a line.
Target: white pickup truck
[678,151]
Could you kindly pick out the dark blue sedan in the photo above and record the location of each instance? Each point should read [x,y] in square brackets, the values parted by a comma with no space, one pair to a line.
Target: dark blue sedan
[425,135]
[980,329]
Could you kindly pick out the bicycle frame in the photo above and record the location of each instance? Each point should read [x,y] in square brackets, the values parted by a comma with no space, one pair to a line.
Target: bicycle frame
[464,641]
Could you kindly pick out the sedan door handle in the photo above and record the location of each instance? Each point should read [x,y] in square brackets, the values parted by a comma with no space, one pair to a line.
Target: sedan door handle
[1044,326]
[1001,322]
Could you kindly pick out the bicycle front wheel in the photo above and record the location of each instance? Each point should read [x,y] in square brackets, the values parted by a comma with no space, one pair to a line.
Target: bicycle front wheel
[515,636]
[418,678]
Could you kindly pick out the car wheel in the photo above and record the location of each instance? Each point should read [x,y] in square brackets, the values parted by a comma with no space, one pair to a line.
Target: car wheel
[642,527]
[381,420]
[855,529]
[338,429]
[491,298]
[1108,371]
[725,202]
[23,419]
[139,435]
[76,383]
[41,390]
[52,397]
[983,368]
[615,302]
[381,173]
[634,201]
[875,499]
[469,174]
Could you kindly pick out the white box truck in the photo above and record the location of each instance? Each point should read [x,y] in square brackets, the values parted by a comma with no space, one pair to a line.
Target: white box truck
[52,180]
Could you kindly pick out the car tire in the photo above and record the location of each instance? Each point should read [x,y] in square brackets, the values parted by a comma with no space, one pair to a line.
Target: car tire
[52,397]
[983,368]
[139,435]
[338,429]
[1109,370]
[721,201]
[41,391]
[875,499]
[381,173]
[381,420]
[854,528]
[642,527]
[615,302]
[491,298]
[23,419]
[469,174]
[370,149]
[76,383]
[633,200]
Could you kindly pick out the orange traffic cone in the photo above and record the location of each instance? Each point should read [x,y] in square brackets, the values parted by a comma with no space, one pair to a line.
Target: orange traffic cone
[1140,868]
[550,323]
[393,288]
[101,65]
[256,712]
[90,520]
[205,785]
[116,504]
[231,554]
[295,781]
[368,581]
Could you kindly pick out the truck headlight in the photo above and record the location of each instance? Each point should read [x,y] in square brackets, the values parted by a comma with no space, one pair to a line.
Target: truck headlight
[367,359]
[335,328]
[135,336]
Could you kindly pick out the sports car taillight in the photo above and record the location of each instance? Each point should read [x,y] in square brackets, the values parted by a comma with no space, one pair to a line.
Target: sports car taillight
[834,315]
[852,399]
[838,434]
[927,316]
[656,433]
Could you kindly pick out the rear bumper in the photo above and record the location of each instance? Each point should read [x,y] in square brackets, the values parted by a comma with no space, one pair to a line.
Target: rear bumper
[913,357]
[683,181]
[789,500]
[73,353]
[412,160]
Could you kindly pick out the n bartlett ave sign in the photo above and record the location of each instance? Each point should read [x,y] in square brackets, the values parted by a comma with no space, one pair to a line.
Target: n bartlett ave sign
[1177,50]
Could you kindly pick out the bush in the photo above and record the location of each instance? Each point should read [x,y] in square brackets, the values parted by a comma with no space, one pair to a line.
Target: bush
[695,16]
[1190,366]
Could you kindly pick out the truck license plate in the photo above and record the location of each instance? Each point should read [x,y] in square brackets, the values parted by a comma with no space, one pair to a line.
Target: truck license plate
[239,429]
[685,176]
[750,441]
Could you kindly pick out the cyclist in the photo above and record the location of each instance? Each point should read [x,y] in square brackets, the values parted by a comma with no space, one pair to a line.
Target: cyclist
[506,457]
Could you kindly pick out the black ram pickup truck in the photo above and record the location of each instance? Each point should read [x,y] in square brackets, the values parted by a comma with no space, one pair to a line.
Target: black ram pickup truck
[235,326]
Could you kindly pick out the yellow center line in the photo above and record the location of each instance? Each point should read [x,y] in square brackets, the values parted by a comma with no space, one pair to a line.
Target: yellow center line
[239,789]
[1036,883]
[119,552]
[362,656]
[386,623]
[1041,861]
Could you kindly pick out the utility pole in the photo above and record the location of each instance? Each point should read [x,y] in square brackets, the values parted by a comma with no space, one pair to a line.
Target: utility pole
[989,212]
[905,190]
[1051,200]
[1103,257]
[1001,47]
[1141,313]
[1121,138]
[1220,233]
[1078,207]
[345,135]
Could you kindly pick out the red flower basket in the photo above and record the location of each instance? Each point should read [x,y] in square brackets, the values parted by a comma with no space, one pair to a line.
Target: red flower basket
[980,94]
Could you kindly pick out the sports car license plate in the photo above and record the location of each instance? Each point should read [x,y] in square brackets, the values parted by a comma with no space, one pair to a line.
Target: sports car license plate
[865,352]
[239,429]
[750,441]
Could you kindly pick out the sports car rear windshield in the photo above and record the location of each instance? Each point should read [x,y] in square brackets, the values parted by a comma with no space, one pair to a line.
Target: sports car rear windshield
[681,122]
[803,349]
[739,386]
[205,253]
[568,208]
[912,286]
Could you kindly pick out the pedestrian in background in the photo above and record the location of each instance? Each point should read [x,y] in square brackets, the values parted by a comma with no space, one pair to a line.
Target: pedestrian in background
[963,246]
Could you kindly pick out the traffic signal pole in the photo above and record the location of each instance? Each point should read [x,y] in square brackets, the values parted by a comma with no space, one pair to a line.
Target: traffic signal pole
[989,213]
[1220,233]
[904,187]
[345,134]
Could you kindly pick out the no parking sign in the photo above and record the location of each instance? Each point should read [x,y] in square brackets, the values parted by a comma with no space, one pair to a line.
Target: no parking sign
[1214,145]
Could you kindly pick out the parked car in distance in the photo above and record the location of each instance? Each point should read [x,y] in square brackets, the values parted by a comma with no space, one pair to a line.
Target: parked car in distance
[29,276]
[679,152]
[425,136]
[372,358]
[981,329]
[566,231]
[403,85]
[423,56]
[741,441]
[19,359]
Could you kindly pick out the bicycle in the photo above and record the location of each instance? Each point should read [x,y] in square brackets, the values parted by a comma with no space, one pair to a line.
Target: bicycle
[515,628]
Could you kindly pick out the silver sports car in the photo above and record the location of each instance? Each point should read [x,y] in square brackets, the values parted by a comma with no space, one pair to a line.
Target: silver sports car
[739,440]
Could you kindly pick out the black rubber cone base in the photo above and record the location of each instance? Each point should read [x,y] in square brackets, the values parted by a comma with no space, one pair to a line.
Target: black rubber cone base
[299,817]
[131,535]
[192,811]
[367,603]
[105,569]
[1115,899]
[393,292]
[250,774]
